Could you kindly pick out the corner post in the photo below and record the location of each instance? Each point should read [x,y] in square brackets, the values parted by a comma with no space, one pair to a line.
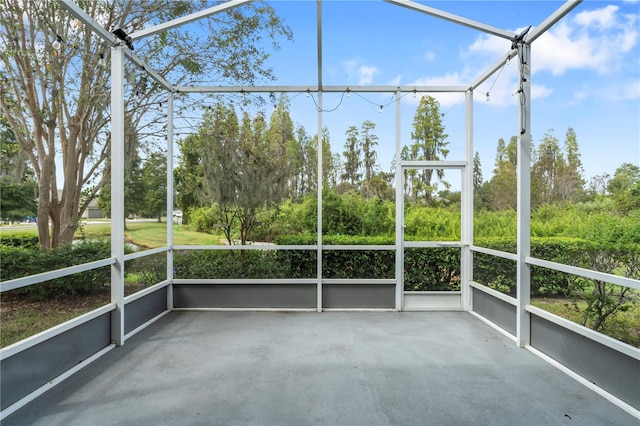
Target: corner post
[170,201]
[523,329]
[399,211]
[117,193]
[466,264]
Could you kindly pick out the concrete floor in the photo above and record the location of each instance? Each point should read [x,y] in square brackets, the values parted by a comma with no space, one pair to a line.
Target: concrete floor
[334,368]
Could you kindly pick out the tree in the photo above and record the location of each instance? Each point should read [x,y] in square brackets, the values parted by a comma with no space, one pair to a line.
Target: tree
[351,154]
[546,171]
[570,185]
[501,189]
[477,173]
[429,143]
[368,143]
[134,191]
[17,186]
[624,188]
[188,175]
[62,92]
[154,178]
[245,169]
[330,162]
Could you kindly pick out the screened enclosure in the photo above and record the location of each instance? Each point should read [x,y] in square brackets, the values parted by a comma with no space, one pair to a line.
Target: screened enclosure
[317,267]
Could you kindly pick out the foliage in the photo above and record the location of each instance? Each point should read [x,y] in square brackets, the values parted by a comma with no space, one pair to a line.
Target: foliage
[595,300]
[17,200]
[19,262]
[55,68]
[149,270]
[429,143]
[24,240]
[228,264]
[625,188]
[154,178]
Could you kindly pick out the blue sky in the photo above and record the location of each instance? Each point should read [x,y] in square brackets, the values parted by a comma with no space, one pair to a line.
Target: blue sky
[585,72]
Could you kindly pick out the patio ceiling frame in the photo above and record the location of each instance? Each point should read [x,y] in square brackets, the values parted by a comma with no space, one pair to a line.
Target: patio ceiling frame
[521,47]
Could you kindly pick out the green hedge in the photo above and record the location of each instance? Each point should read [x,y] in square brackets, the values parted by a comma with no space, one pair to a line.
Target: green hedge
[19,240]
[20,262]
[426,269]
[500,273]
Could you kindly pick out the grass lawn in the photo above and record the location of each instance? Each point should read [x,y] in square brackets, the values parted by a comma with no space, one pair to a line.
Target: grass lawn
[144,234]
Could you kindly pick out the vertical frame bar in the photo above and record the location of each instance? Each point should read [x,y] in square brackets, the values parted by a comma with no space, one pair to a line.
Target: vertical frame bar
[170,200]
[399,211]
[117,193]
[524,197]
[319,155]
[466,266]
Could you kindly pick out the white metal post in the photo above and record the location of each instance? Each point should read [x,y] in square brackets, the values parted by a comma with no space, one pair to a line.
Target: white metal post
[466,262]
[320,175]
[117,193]
[524,196]
[319,156]
[399,212]
[170,200]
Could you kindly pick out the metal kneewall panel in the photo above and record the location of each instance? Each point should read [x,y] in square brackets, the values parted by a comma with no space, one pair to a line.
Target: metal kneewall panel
[30,369]
[611,370]
[145,308]
[244,296]
[358,296]
[495,310]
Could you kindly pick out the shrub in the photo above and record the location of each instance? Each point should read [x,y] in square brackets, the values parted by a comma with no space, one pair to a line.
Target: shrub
[222,264]
[27,241]
[19,262]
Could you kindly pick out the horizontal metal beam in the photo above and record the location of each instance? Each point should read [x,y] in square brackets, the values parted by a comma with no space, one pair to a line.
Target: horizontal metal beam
[187,19]
[551,20]
[454,18]
[50,275]
[425,164]
[325,89]
[586,273]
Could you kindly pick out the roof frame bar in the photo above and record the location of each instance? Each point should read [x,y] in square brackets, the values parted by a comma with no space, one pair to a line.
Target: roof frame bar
[83,17]
[454,18]
[532,35]
[551,20]
[314,89]
[187,19]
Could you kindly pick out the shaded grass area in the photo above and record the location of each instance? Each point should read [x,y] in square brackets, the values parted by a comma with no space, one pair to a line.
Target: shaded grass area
[22,317]
[622,325]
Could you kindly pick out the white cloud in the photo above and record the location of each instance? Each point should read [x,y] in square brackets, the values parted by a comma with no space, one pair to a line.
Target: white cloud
[595,39]
[602,18]
[539,91]
[365,74]
[359,73]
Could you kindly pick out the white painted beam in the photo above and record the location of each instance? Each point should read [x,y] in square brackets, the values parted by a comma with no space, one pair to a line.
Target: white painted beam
[87,20]
[187,19]
[316,89]
[551,20]
[454,18]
